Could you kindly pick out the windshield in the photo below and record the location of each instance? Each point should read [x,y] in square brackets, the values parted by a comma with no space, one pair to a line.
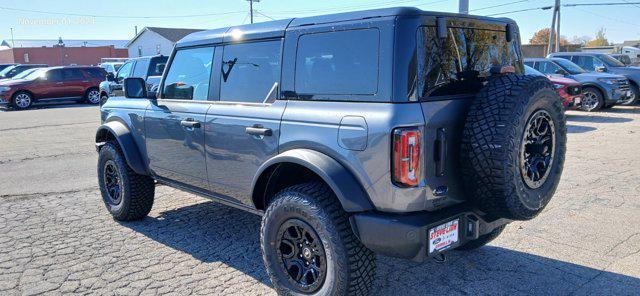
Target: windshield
[611,61]
[3,73]
[35,73]
[569,66]
[24,73]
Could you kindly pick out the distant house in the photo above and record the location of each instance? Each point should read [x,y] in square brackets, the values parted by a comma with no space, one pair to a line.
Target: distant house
[59,52]
[154,40]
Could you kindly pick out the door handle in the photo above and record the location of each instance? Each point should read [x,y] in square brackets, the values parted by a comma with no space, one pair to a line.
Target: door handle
[59,83]
[258,130]
[190,123]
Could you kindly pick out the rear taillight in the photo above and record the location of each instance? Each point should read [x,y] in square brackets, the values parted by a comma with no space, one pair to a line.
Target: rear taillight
[406,156]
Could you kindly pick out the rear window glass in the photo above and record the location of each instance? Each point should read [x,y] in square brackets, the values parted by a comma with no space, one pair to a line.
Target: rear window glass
[156,67]
[459,64]
[333,64]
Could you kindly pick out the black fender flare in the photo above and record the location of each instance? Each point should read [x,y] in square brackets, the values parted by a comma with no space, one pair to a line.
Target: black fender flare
[128,146]
[345,186]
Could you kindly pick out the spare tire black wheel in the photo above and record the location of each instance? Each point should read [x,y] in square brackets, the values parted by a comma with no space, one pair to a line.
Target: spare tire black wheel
[513,146]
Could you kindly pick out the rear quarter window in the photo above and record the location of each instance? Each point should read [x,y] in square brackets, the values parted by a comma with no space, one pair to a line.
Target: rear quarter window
[331,66]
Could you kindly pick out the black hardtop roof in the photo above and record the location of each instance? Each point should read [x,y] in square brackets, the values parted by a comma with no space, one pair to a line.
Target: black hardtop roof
[273,29]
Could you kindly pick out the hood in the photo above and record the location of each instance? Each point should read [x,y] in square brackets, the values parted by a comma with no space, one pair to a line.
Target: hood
[632,73]
[593,76]
[562,80]
[12,82]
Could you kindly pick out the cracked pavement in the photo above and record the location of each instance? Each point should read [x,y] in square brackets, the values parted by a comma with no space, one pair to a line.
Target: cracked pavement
[56,237]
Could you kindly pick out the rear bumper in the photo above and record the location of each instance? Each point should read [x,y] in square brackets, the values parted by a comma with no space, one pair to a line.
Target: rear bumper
[406,235]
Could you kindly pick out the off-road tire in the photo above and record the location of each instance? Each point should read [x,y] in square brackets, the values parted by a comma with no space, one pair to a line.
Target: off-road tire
[492,141]
[482,240]
[18,106]
[137,191]
[350,265]
[599,97]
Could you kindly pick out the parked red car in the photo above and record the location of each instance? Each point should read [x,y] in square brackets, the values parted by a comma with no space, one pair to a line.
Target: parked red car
[55,83]
[569,90]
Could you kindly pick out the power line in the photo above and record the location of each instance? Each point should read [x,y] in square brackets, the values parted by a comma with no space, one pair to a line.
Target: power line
[607,17]
[499,5]
[363,6]
[521,10]
[601,4]
[262,14]
[118,16]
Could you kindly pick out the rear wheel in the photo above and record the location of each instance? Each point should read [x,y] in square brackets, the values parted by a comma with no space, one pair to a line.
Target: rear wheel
[592,99]
[126,194]
[513,146]
[309,248]
[22,100]
[92,96]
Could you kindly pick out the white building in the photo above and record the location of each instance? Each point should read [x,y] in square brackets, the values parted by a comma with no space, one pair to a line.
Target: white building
[154,40]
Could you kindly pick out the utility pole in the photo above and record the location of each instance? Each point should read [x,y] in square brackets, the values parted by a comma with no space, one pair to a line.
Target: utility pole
[463,6]
[554,30]
[251,8]
[13,43]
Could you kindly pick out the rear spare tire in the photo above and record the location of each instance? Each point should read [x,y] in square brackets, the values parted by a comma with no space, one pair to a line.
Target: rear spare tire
[513,146]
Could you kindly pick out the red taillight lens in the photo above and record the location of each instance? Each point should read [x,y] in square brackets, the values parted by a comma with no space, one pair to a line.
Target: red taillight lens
[406,156]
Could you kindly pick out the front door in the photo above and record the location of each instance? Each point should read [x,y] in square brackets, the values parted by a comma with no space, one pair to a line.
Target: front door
[244,126]
[175,124]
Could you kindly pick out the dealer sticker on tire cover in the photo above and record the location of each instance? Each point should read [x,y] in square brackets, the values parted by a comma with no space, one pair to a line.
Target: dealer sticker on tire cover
[443,236]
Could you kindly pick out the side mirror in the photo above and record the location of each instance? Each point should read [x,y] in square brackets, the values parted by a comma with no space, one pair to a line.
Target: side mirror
[135,88]
[111,77]
[601,69]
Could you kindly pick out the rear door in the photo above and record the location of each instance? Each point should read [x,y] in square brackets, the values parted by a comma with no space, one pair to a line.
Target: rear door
[73,83]
[244,126]
[175,124]
[449,74]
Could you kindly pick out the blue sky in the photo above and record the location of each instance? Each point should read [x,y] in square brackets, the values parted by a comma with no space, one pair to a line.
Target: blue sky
[621,22]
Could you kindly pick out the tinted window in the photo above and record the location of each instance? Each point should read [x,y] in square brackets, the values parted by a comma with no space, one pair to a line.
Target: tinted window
[189,74]
[54,75]
[72,74]
[332,63]
[547,68]
[141,68]
[125,71]
[587,62]
[157,65]
[461,62]
[249,71]
[97,73]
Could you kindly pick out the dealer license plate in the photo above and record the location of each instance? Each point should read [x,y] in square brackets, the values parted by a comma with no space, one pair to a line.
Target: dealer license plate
[443,236]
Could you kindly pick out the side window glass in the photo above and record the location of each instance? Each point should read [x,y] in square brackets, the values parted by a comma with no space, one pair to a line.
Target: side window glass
[125,71]
[548,68]
[189,74]
[54,75]
[586,62]
[72,74]
[597,63]
[142,65]
[333,64]
[249,71]
[157,66]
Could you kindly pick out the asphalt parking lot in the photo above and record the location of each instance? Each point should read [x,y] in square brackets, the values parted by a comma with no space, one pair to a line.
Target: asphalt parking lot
[56,236]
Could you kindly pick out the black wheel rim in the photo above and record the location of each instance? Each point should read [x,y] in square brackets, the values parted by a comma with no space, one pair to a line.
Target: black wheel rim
[112,182]
[538,149]
[302,255]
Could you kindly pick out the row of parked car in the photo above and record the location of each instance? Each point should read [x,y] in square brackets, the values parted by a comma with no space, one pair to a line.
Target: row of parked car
[22,85]
[589,81]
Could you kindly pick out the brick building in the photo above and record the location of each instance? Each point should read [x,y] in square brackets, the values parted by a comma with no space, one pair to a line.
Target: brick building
[59,53]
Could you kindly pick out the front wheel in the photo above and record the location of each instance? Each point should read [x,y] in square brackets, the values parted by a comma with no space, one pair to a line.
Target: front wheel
[309,248]
[22,100]
[635,93]
[592,100]
[126,194]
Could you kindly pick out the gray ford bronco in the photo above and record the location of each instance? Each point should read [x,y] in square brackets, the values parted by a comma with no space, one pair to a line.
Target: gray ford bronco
[396,131]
